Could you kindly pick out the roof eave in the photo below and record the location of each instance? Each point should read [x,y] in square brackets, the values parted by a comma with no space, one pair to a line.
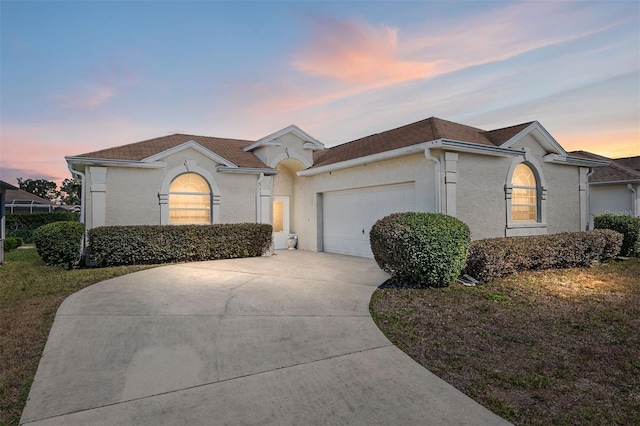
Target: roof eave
[573,161]
[106,162]
[247,170]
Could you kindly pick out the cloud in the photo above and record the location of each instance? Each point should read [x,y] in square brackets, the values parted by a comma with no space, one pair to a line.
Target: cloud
[345,59]
[104,83]
[40,147]
[355,51]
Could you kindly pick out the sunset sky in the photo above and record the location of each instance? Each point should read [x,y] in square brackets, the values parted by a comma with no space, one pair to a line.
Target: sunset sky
[78,76]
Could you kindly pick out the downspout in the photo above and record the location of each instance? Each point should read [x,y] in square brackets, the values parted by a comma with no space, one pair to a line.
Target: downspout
[81,176]
[75,173]
[591,170]
[634,202]
[427,153]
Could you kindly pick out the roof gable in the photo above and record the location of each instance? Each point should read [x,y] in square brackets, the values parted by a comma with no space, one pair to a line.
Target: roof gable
[190,145]
[539,133]
[272,140]
[228,151]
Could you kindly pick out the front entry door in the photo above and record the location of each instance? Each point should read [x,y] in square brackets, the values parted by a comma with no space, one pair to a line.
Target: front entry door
[280,222]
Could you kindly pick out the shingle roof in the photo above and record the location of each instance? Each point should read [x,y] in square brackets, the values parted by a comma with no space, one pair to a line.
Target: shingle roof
[631,162]
[422,131]
[22,195]
[230,149]
[616,171]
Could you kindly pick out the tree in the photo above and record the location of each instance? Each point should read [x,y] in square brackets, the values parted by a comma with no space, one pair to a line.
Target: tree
[70,192]
[40,187]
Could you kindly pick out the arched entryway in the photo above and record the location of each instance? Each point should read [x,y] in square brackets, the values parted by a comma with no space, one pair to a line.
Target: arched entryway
[285,190]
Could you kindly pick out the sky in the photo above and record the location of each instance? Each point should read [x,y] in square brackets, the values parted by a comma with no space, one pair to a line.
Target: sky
[79,76]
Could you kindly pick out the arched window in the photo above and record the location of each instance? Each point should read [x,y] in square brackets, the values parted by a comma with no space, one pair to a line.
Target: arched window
[189,200]
[524,198]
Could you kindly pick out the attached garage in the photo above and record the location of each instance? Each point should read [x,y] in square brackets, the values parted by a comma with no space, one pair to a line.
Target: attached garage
[347,216]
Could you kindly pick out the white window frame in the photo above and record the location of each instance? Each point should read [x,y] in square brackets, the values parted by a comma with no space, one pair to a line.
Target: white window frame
[189,166]
[521,228]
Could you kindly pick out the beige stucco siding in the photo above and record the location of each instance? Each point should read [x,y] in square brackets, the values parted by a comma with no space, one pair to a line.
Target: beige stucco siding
[614,199]
[132,196]
[563,202]
[414,168]
[480,201]
[132,193]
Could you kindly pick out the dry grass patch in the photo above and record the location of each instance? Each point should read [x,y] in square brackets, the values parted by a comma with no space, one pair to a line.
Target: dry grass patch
[30,294]
[554,347]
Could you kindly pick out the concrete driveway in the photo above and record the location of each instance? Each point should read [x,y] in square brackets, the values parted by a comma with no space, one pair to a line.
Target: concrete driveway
[285,340]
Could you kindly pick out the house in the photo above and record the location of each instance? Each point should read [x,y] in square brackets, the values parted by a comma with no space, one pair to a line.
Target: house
[511,181]
[614,188]
[4,187]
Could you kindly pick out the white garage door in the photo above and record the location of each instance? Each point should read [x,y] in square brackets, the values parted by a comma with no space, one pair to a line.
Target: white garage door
[349,215]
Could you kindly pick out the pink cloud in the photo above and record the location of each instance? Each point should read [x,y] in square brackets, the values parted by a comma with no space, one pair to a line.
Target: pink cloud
[355,51]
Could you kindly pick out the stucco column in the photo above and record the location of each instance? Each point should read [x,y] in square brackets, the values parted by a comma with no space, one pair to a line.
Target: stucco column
[450,181]
[584,198]
[263,202]
[98,196]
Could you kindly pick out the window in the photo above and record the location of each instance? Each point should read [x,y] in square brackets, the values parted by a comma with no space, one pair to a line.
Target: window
[189,200]
[524,198]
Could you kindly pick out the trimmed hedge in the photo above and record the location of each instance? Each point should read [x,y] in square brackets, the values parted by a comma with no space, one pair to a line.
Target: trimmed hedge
[494,258]
[11,243]
[36,220]
[25,235]
[23,225]
[59,243]
[628,226]
[151,244]
[423,249]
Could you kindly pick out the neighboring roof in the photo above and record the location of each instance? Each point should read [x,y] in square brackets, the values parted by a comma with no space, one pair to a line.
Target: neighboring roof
[616,172]
[229,149]
[5,185]
[20,195]
[422,131]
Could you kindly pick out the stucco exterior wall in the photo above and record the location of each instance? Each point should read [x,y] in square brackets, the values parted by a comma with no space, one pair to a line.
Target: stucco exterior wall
[132,193]
[615,199]
[414,168]
[480,197]
[563,198]
[132,196]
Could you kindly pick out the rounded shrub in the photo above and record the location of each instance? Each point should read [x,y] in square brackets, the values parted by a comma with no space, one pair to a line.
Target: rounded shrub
[423,249]
[59,243]
[11,243]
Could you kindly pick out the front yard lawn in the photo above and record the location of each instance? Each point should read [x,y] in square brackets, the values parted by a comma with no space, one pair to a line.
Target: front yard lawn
[30,294]
[555,347]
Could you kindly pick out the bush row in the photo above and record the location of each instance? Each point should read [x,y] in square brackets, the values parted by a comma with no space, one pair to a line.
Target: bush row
[498,257]
[59,243]
[36,220]
[627,225]
[26,235]
[11,243]
[129,245]
[423,249]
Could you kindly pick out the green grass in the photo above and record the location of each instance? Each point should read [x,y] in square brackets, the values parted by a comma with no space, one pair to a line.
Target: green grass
[30,293]
[558,347]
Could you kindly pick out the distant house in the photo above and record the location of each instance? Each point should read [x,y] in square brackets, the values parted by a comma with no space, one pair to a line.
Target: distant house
[614,188]
[19,201]
[511,181]
[4,187]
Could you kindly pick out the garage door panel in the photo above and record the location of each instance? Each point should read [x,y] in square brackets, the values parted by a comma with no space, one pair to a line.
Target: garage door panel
[347,213]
